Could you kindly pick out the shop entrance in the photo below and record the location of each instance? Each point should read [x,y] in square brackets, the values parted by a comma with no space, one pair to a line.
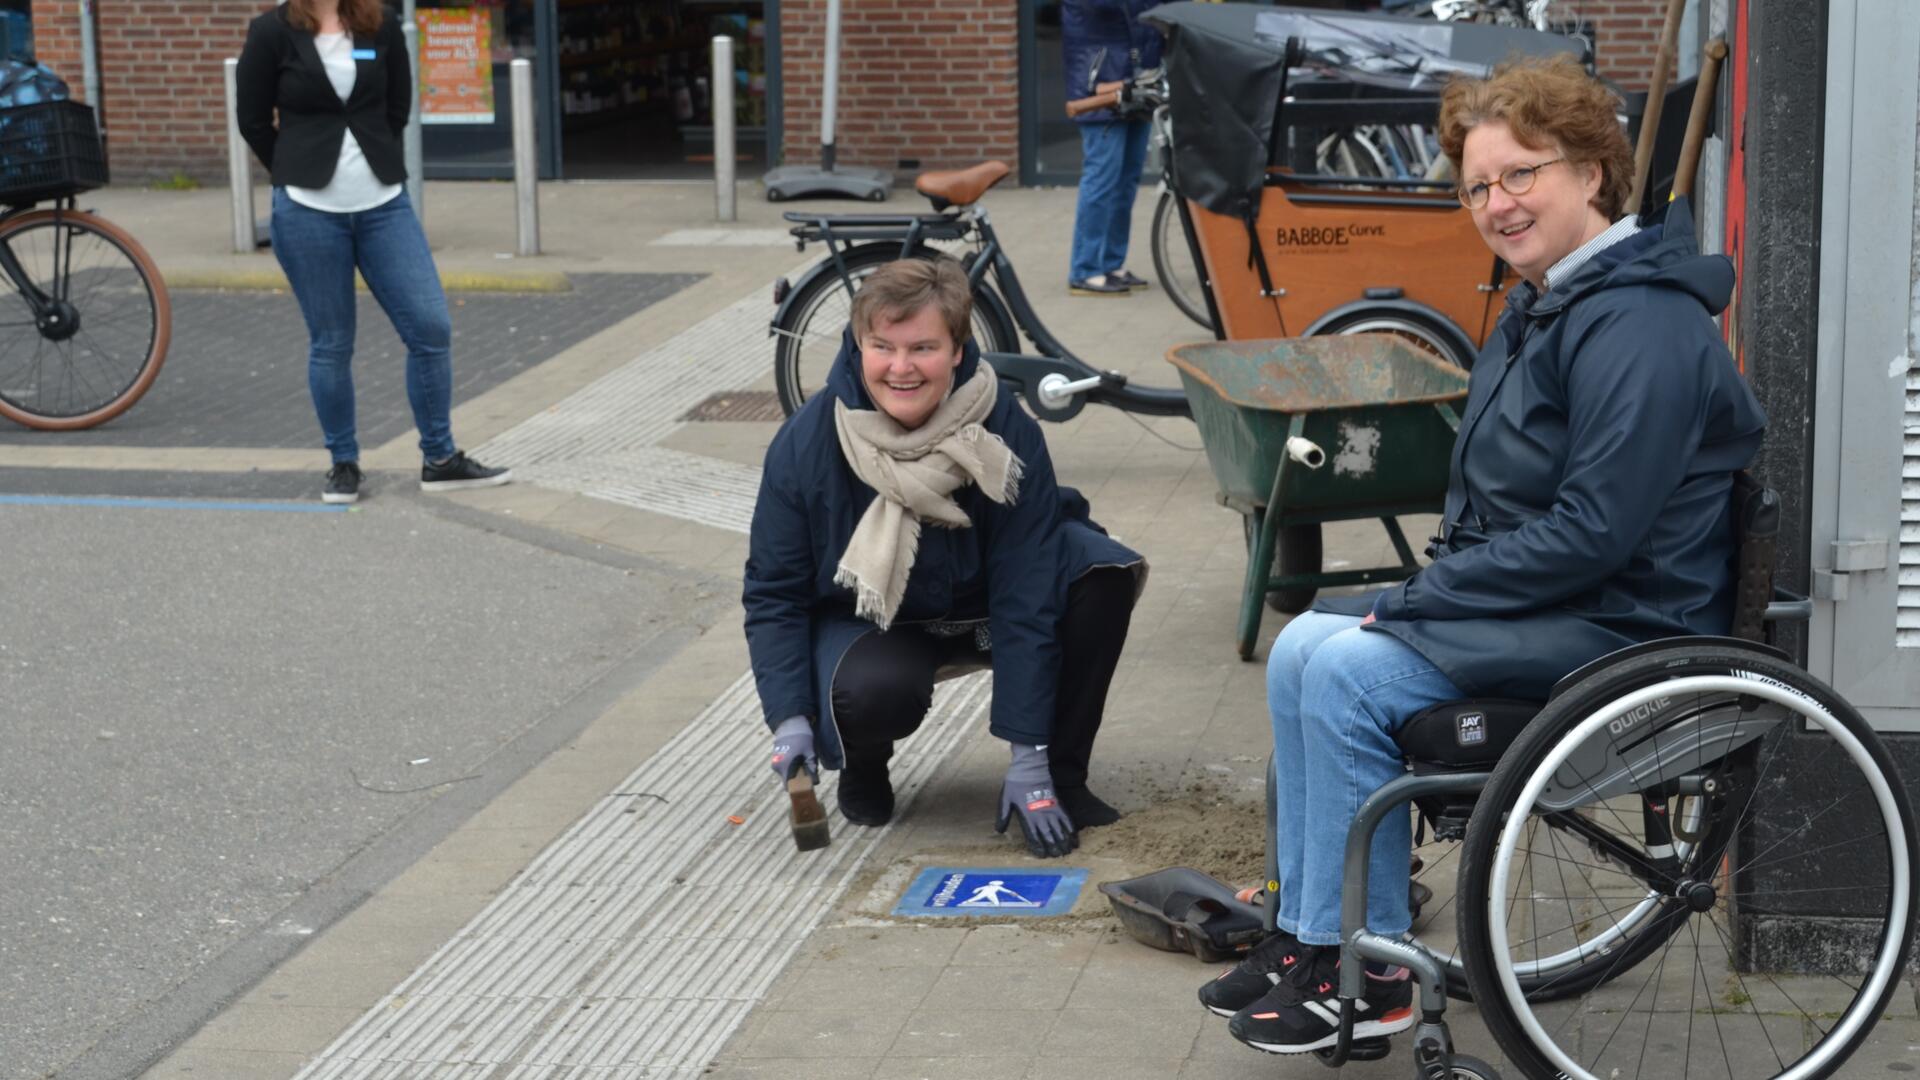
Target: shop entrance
[624,87]
[635,86]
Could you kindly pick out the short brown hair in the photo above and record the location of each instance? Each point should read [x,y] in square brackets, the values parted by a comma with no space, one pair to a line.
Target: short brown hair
[900,288]
[1545,101]
[360,17]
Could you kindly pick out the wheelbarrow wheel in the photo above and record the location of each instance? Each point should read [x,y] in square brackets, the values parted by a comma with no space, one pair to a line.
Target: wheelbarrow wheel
[1297,551]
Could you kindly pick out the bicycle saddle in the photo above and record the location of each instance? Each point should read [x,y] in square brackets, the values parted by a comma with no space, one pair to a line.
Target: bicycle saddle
[960,187]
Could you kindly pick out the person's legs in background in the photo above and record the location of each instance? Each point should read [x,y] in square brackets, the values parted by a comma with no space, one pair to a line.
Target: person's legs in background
[316,250]
[1103,145]
[1093,630]
[881,692]
[398,266]
[1120,225]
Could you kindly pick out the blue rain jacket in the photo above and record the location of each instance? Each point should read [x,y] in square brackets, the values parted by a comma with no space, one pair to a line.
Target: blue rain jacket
[1101,38]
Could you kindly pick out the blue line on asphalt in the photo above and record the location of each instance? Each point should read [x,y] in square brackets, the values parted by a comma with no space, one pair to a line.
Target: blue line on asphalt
[170,504]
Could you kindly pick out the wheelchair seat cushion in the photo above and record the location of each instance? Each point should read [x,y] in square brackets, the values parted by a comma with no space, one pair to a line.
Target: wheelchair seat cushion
[1464,734]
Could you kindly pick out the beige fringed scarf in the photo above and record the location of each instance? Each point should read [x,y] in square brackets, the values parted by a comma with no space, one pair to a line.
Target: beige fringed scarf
[916,473]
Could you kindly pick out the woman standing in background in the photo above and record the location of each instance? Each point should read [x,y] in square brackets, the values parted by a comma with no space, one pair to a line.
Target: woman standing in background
[337,75]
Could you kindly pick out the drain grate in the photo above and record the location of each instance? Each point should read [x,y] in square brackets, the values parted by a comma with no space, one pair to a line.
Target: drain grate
[738,405]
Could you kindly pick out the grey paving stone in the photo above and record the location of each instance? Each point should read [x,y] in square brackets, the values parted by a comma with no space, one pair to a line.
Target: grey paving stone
[834,983]
[967,988]
[1125,976]
[236,374]
[1133,1033]
[824,1034]
[837,1068]
[1017,946]
[973,1068]
[1161,1067]
[986,1033]
[901,945]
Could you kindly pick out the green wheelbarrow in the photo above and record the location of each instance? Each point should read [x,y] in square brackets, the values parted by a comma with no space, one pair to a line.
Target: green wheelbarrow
[1302,431]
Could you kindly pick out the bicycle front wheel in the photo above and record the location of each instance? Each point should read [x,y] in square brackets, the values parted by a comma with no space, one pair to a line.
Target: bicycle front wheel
[91,342]
[808,339]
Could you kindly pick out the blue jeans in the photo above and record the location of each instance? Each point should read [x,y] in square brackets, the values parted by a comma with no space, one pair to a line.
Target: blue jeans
[1337,694]
[320,251]
[1114,152]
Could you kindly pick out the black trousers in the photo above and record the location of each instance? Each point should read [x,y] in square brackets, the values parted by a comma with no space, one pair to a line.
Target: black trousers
[884,684]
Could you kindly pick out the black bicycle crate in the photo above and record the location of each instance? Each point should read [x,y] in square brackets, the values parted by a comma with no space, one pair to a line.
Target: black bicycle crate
[48,150]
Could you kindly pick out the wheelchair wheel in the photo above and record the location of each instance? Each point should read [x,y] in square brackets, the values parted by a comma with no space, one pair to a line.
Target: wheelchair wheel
[1618,846]
[1436,927]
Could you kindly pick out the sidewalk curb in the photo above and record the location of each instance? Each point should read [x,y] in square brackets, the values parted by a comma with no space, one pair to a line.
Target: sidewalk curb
[450,280]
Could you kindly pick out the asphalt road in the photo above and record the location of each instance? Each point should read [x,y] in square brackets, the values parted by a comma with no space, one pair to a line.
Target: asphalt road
[225,727]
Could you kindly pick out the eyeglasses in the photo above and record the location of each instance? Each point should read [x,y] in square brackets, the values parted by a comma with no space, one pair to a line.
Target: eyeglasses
[1515,181]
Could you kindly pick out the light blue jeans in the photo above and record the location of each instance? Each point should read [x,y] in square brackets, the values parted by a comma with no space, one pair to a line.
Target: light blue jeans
[1112,154]
[1337,694]
[320,251]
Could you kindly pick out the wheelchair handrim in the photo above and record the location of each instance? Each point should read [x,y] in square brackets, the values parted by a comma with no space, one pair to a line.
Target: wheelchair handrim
[1887,960]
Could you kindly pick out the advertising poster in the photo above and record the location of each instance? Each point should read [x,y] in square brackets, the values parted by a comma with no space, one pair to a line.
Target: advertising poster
[456,65]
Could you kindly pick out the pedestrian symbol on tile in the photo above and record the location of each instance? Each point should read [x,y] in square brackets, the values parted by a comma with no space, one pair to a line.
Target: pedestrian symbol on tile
[978,891]
[990,895]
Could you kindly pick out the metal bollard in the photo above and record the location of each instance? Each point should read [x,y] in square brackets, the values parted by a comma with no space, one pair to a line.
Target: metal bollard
[526,165]
[90,62]
[410,149]
[720,94]
[239,166]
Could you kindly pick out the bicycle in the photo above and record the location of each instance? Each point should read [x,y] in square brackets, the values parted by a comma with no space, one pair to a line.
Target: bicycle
[811,314]
[96,304]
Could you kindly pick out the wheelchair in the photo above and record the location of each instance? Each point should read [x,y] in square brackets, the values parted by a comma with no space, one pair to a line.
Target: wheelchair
[1620,911]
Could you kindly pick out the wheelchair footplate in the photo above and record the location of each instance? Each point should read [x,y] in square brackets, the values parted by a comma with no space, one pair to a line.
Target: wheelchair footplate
[1360,1050]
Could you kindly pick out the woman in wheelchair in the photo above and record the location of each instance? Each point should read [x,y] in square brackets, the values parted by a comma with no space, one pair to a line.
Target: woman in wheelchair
[1587,510]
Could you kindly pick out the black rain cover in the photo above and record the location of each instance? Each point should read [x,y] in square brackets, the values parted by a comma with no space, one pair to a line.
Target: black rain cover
[1226,64]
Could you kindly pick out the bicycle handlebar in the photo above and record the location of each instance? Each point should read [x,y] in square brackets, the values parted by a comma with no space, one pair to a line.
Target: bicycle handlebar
[1109,99]
[1142,93]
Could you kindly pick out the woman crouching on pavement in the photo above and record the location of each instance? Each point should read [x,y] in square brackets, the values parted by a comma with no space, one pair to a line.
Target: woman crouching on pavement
[908,522]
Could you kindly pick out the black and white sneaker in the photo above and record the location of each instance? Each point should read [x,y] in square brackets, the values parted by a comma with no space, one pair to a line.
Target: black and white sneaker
[460,472]
[1259,971]
[343,483]
[1303,1012]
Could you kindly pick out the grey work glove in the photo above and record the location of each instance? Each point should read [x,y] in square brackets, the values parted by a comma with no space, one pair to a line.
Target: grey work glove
[1028,794]
[793,749]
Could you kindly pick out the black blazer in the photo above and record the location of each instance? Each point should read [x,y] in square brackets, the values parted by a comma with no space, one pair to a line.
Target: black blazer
[280,69]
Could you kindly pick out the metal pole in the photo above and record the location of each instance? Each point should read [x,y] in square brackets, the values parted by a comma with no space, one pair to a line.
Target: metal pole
[239,165]
[832,79]
[410,141]
[721,97]
[90,60]
[526,164]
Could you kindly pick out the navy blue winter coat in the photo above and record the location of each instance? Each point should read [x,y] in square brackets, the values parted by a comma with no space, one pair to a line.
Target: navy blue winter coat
[1011,568]
[1105,41]
[1588,504]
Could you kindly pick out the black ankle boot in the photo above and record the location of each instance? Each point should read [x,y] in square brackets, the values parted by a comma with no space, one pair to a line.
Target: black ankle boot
[1085,808]
[866,794]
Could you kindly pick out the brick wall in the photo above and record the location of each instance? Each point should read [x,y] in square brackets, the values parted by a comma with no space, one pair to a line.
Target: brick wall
[161,92]
[1627,36]
[937,81]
